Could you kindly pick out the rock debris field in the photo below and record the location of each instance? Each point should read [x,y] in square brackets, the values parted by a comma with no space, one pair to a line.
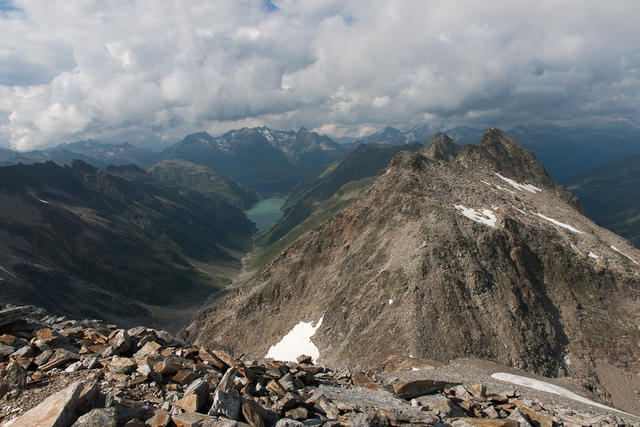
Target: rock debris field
[60,372]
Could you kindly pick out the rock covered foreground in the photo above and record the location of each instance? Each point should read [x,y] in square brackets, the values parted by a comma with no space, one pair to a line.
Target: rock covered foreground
[55,371]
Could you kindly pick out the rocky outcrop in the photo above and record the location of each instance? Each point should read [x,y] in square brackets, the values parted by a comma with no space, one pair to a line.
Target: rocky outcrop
[168,382]
[452,252]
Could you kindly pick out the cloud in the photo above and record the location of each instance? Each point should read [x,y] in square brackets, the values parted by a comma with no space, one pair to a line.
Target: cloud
[137,70]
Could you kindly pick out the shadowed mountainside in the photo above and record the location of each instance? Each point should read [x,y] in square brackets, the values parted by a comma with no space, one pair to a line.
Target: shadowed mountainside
[109,244]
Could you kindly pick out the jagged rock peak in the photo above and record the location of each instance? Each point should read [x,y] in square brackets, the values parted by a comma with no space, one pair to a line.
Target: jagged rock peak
[499,151]
[440,147]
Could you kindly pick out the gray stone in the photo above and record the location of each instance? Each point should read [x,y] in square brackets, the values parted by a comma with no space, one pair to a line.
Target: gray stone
[75,366]
[198,386]
[441,406]
[288,422]
[100,417]
[57,410]
[410,389]
[122,365]
[43,357]
[6,350]
[121,342]
[25,351]
[226,404]
[91,362]
[361,399]
[226,382]
[368,420]
[517,416]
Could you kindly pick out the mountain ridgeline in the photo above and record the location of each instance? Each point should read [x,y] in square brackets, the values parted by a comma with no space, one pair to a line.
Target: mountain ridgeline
[271,162]
[112,244]
[451,252]
[363,162]
[200,178]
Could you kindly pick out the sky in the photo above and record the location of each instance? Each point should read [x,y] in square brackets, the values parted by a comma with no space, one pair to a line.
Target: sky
[134,70]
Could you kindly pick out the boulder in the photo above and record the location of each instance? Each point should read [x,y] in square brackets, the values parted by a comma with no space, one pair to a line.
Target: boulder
[61,357]
[150,347]
[122,365]
[194,420]
[120,342]
[160,418]
[99,417]
[411,389]
[58,410]
[226,404]
[169,365]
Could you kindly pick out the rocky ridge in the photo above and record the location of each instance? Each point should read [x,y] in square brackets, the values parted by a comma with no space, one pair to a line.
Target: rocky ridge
[56,371]
[453,252]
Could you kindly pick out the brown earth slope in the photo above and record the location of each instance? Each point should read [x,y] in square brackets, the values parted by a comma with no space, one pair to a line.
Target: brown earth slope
[453,252]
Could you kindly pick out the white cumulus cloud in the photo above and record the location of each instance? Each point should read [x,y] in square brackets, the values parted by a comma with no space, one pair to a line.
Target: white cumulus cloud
[138,69]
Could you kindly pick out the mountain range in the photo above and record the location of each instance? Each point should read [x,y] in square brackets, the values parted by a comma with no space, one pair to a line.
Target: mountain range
[451,252]
[565,152]
[113,244]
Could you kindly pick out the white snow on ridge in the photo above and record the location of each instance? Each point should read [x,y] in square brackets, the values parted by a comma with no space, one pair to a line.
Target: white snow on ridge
[558,223]
[622,253]
[7,271]
[483,216]
[296,343]
[592,255]
[44,201]
[267,135]
[505,189]
[527,187]
[549,388]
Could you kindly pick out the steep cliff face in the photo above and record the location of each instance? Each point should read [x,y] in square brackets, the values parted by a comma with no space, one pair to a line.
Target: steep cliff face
[452,252]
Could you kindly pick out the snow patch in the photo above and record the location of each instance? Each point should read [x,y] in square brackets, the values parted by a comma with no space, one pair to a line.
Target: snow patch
[483,216]
[390,301]
[505,189]
[267,135]
[44,201]
[494,207]
[519,210]
[592,255]
[558,223]
[549,388]
[415,369]
[7,271]
[526,187]
[622,253]
[296,343]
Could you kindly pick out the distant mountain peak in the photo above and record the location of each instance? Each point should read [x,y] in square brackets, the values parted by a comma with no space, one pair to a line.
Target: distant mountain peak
[440,147]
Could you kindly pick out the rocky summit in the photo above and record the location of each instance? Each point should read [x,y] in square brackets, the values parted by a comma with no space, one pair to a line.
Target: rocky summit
[452,252]
[60,372]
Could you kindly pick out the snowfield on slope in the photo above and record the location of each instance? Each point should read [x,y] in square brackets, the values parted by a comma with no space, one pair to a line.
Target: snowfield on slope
[622,253]
[558,223]
[526,187]
[297,342]
[483,216]
[549,388]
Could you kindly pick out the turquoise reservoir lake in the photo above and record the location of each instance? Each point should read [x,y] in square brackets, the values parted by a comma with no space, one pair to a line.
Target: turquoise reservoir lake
[265,213]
